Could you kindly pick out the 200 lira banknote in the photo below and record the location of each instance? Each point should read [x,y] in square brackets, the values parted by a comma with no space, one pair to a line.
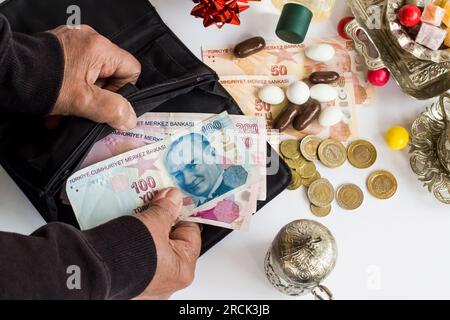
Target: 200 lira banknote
[201,162]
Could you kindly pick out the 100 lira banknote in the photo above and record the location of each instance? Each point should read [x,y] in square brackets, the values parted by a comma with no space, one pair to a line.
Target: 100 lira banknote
[200,161]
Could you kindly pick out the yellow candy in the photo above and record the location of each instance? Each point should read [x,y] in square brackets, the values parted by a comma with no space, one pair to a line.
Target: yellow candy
[397,138]
[447,38]
[446,19]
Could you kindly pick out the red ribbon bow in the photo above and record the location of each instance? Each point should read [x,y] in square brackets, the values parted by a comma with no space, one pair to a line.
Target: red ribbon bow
[219,12]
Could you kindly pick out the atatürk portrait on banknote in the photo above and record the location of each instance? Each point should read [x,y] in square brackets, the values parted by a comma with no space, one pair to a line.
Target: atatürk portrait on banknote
[199,171]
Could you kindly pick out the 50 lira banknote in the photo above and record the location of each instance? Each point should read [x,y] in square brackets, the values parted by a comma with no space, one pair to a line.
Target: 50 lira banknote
[280,59]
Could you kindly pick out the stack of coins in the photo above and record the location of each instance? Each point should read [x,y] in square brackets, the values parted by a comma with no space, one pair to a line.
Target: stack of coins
[361,154]
[321,195]
[304,172]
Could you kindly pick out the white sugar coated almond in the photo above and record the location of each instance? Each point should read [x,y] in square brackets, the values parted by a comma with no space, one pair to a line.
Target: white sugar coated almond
[320,52]
[271,94]
[298,92]
[330,116]
[323,92]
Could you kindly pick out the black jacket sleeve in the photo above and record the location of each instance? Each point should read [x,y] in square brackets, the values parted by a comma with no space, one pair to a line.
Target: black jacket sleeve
[114,261]
[31,70]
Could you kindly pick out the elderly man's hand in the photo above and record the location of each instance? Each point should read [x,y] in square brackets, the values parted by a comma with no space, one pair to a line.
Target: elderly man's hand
[94,69]
[177,247]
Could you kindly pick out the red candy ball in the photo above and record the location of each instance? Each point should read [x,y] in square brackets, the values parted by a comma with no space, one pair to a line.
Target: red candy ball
[409,15]
[379,77]
[341,27]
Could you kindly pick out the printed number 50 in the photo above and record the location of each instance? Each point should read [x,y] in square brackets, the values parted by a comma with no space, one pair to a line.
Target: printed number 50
[279,71]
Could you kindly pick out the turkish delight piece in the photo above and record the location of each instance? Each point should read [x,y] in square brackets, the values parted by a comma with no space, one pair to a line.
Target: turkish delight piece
[433,15]
[431,36]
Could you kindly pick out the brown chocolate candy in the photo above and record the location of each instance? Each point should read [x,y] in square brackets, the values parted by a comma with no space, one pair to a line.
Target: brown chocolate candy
[310,111]
[249,47]
[323,77]
[286,117]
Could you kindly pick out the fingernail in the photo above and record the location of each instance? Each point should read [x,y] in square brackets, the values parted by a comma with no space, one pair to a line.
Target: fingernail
[175,196]
[160,194]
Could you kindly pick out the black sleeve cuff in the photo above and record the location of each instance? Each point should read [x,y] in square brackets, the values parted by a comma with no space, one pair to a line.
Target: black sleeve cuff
[32,72]
[128,251]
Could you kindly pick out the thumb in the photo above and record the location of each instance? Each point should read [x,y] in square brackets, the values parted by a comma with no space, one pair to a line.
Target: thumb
[165,208]
[111,108]
[186,237]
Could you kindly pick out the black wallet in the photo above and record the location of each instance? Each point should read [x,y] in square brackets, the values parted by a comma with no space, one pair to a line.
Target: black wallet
[172,80]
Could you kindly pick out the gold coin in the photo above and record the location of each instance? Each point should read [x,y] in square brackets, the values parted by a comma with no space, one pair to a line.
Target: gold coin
[349,196]
[320,211]
[332,153]
[361,154]
[296,181]
[307,170]
[295,163]
[307,181]
[321,193]
[382,184]
[290,149]
[309,146]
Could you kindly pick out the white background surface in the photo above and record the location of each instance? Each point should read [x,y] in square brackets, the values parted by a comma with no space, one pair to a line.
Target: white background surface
[387,249]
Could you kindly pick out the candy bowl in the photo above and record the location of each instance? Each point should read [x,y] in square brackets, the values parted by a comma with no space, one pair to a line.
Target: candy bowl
[406,42]
[421,79]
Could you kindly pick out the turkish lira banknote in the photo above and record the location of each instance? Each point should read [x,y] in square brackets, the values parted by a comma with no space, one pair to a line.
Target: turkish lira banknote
[209,162]
[251,130]
[283,59]
[244,90]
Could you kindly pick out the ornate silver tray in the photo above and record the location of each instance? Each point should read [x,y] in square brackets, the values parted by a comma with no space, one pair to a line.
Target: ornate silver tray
[426,133]
[404,39]
[418,78]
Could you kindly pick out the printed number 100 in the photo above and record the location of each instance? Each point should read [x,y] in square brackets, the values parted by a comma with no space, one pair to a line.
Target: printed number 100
[143,185]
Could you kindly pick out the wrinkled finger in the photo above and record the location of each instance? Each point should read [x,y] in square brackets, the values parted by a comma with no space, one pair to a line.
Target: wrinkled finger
[109,107]
[187,237]
[166,207]
[119,68]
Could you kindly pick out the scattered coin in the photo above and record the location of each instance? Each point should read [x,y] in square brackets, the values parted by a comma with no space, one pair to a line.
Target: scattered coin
[308,181]
[349,196]
[361,154]
[309,146]
[307,170]
[295,163]
[320,211]
[296,181]
[382,184]
[321,193]
[332,153]
[290,149]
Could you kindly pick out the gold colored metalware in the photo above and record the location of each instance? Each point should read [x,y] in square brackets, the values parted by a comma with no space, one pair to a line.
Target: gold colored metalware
[418,78]
[430,158]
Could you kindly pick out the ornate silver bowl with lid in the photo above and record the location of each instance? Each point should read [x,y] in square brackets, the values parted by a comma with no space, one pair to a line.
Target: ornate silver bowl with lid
[302,255]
